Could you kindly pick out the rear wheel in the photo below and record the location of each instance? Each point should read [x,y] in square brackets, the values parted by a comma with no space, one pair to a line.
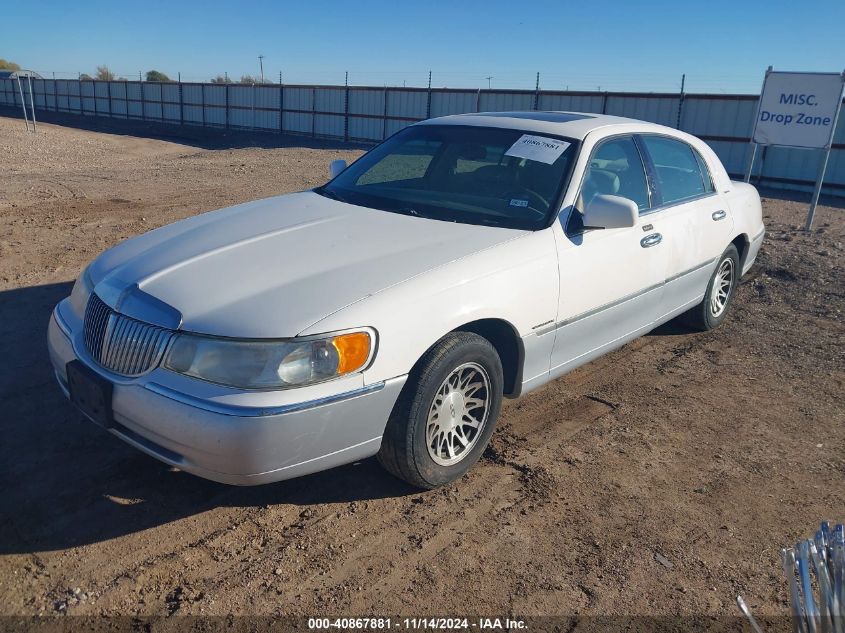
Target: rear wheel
[720,291]
[446,412]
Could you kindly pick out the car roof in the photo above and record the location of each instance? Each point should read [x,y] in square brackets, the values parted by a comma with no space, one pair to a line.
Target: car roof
[569,124]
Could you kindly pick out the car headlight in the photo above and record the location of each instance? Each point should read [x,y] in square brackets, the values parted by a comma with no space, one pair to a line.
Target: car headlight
[262,364]
[82,289]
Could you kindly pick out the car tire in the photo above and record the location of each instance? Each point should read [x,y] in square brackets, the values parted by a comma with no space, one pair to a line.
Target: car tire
[446,412]
[719,294]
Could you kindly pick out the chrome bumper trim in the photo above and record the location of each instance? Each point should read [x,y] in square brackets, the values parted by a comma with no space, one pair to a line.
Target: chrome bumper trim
[260,412]
[60,321]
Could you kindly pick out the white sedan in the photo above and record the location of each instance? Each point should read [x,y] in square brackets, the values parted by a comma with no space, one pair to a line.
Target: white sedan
[465,259]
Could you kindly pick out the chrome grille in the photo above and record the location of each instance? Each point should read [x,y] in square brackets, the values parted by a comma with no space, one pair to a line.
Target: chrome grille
[122,344]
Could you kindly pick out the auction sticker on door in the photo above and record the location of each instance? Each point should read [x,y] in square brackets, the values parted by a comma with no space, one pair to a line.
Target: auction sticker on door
[798,109]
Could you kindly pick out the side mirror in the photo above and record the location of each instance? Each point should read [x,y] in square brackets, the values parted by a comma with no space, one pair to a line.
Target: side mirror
[610,212]
[335,167]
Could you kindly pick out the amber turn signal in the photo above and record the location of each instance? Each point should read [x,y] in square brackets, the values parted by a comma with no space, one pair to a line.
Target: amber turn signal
[353,350]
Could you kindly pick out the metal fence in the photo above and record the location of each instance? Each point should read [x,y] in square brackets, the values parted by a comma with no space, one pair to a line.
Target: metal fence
[370,114]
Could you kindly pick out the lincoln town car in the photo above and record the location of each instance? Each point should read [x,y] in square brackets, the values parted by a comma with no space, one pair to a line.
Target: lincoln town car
[463,260]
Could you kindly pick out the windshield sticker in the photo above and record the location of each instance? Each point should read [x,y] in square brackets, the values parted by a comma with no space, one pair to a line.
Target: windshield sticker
[516,202]
[538,148]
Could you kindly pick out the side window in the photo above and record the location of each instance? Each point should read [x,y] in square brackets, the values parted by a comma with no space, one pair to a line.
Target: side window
[678,168]
[615,168]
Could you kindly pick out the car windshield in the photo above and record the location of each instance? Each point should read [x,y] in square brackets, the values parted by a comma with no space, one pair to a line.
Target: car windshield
[468,174]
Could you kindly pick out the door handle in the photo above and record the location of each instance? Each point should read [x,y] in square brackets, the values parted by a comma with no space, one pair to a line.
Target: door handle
[651,240]
[719,215]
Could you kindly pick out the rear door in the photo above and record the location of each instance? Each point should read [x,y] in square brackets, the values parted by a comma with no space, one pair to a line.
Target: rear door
[694,219]
[611,280]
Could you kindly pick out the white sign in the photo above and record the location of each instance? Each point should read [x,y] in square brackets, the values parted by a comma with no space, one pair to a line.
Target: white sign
[798,109]
[539,148]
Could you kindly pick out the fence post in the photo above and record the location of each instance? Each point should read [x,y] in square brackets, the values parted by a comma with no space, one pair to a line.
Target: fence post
[202,103]
[313,111]
[55,94]
[428,102]
[108,89]
[537,93]
[384,117]
[181,103]
[226,108]
[681,102]
[477,99]
[604,103]
[281,105]
[143,98]
[94,93]
[346,107]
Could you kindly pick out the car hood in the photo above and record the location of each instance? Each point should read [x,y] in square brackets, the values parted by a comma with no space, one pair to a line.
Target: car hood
[273,267]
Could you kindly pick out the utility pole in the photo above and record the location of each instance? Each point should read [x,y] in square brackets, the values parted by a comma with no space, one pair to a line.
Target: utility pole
[261,65]
[489,82]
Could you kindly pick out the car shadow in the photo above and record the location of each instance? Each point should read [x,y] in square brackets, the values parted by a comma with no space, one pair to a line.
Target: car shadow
[67,483]
[195,136]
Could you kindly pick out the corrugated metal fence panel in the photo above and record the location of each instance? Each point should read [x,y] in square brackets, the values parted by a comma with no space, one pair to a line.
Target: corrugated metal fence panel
[192,94]
[663,110]
[86,91]
[329,125]
[118,98]
[298,99]
[366,102]
[505,101]
[329,100]
[241,113]
[152,100]
[170,107]
[444,103]
[571,103]
[718,117]
[267,97]
[215,95]
[133,100]
[407,103]
[366,129]
[297,122]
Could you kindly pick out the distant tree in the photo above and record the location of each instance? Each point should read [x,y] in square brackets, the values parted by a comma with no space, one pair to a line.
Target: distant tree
[86,76]
[5,64]
[221,79]
[249,79]
[104,74]
[157,75]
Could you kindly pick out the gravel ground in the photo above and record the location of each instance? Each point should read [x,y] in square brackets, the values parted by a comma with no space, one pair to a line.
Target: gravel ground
[660,479]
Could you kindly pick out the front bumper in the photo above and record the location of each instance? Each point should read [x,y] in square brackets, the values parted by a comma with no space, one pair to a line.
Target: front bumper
[231,436]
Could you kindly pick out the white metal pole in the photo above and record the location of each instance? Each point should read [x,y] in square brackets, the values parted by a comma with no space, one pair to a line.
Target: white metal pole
[31,101]
[23,105]
[750,167]
[754,127]
[818,190]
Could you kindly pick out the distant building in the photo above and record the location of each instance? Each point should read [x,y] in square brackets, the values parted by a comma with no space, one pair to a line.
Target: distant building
[15,74]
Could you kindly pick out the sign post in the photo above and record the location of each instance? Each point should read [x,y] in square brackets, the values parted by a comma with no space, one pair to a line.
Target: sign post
[798,110]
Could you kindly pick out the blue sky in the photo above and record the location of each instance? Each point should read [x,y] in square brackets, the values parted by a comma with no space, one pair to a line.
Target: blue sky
[722,46]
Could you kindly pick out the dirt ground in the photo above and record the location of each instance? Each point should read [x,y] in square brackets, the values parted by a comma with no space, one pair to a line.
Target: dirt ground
[661,479]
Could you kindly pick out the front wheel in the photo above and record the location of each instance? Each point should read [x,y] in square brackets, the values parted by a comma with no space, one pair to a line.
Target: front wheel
[446,412]
[720,291]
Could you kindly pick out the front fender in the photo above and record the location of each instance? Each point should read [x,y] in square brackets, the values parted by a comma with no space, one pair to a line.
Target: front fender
[516,282]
